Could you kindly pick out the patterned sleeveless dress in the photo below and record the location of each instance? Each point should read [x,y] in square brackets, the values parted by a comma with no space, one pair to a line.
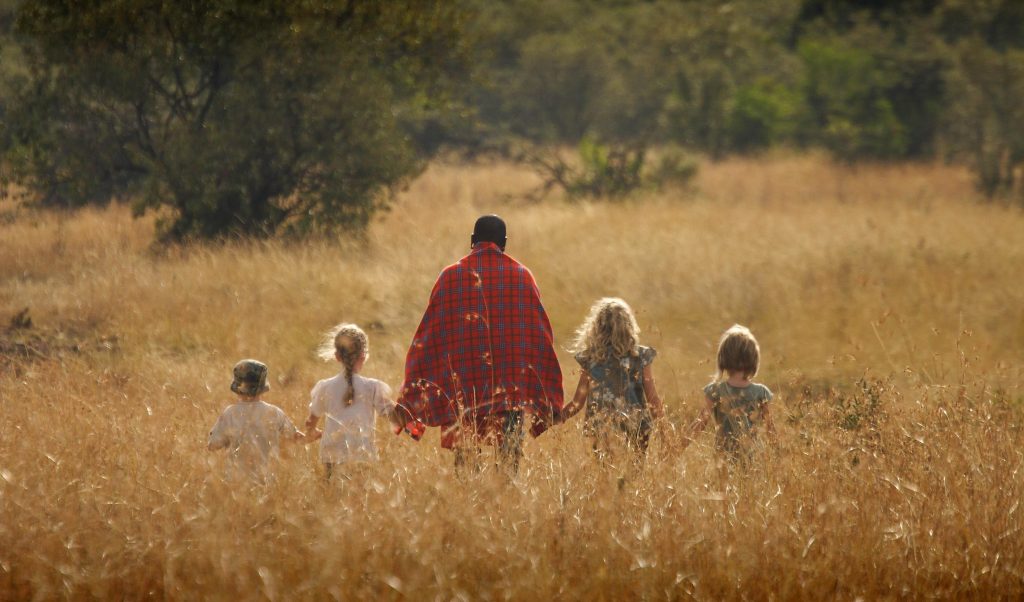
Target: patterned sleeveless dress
[616,400]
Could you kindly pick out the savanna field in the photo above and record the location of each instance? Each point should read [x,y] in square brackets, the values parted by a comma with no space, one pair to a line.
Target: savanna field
[888,302]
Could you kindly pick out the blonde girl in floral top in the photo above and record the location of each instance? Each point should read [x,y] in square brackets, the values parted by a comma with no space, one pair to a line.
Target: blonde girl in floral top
[738,405]
[616,384]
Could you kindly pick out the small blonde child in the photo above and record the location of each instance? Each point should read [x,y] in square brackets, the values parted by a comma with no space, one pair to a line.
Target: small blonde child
[616,384]
[348,401]
[738,405]
[251,429]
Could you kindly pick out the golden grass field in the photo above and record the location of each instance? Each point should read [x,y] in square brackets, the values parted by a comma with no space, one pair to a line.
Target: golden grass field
[888,301]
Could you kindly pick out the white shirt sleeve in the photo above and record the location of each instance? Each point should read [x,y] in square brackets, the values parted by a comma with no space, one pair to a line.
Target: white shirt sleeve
[382,400]
[316,401]
[285,425]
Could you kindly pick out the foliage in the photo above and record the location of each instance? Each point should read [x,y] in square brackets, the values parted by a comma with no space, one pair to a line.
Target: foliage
[607,171]
[863,408]
[987,116]
[241,117]
[156,102]
[985,120]
[764,113]
[630,73]
[844,86]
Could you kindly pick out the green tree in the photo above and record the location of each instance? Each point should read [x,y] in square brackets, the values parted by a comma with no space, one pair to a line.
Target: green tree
[764,113]
[626,73]
[984,123]
[241,117]
[845,89]
[986,118]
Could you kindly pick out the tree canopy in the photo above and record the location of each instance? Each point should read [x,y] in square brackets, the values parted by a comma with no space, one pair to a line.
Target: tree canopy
[261,117]
[244,117]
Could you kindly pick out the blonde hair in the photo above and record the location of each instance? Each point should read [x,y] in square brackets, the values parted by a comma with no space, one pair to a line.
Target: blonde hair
[738,352]
[610,331]
[346,343]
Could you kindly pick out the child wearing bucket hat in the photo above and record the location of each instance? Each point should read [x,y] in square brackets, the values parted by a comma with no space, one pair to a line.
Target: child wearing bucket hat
[252,429]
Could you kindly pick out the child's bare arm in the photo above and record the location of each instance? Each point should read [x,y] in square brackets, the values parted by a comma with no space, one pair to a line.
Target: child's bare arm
[300,437]
[309,436]
[392,415]
[579,399]
[651,392]
[312,433]
[702,421]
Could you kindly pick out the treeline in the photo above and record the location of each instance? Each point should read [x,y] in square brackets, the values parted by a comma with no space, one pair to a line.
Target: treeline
[876,80]
[266,116]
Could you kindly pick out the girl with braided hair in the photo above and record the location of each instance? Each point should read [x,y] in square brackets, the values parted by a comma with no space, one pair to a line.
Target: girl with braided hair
[348,401]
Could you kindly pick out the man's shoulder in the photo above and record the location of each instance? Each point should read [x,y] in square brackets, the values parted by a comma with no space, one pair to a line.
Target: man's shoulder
[453,270]
[472,261]
[509,264]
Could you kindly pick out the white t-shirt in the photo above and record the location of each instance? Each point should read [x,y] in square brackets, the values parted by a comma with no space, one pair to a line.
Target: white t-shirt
[348,429]
[252,432]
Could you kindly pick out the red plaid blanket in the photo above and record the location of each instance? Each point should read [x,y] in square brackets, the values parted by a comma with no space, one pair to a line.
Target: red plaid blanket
[484,347]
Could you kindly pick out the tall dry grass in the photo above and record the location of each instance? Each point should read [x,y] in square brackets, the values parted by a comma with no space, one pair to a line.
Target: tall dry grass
[887,299]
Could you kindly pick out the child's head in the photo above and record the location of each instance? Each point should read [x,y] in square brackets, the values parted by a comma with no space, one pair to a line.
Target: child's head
[738,352]
[610,331]
[348,344]
[250,379]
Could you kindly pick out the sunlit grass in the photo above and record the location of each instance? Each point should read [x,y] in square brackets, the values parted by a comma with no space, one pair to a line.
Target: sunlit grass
[887,301]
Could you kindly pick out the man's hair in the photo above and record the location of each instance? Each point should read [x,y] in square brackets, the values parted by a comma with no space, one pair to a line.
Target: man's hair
[489,228]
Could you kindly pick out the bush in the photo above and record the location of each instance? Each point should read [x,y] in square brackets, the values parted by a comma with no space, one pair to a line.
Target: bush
[607,171]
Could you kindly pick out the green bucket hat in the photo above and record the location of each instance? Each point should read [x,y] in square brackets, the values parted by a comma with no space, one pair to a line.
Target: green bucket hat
[250,378]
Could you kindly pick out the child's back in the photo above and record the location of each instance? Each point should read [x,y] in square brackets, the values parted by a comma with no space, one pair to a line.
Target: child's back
[616,384]
[349,426]
[251,431]
[738,412]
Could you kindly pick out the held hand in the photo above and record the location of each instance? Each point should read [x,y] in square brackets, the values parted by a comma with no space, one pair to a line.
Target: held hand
[415,429]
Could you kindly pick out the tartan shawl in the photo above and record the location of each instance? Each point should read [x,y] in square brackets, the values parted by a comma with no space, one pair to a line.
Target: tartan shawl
[483,347]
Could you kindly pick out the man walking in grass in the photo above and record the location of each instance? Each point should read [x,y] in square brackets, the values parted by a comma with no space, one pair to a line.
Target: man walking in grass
[483,355]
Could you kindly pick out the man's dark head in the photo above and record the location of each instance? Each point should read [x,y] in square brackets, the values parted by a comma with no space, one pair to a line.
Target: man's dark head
[489,228]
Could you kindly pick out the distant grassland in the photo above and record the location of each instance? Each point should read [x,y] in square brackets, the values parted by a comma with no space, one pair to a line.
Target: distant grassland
[887,299]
